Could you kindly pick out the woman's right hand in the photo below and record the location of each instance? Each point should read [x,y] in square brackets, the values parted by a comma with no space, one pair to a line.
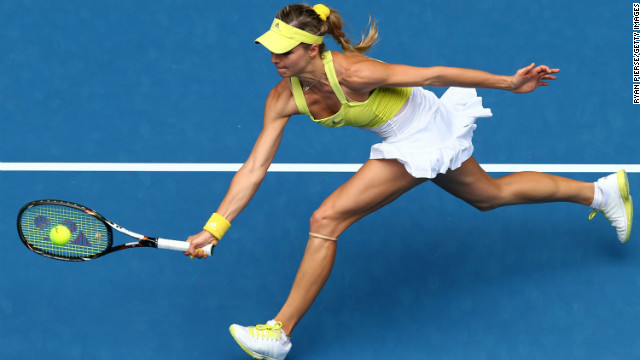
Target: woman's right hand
[197,242]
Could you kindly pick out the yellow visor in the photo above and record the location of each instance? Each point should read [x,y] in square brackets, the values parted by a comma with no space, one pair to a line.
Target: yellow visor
[283,37]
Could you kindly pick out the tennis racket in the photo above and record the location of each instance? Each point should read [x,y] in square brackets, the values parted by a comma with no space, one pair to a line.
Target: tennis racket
[90,234]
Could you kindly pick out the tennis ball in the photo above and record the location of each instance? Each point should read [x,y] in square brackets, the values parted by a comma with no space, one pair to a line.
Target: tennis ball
[60,235]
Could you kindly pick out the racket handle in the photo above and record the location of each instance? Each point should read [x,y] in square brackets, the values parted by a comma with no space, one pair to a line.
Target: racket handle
[181,246]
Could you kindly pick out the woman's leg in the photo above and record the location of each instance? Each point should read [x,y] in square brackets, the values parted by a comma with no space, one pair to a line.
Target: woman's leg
[381,181]
[473,185]
[376,184]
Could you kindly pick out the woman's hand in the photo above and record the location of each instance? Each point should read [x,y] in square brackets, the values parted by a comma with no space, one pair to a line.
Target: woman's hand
[530,77]
[198,241]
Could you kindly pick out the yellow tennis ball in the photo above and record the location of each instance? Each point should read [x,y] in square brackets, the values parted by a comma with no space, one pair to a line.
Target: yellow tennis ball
[60,235]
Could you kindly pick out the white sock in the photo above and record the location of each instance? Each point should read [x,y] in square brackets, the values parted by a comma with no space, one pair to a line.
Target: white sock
[600,196]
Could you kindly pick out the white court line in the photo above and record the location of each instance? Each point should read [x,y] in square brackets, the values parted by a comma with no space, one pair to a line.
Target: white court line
[296,168]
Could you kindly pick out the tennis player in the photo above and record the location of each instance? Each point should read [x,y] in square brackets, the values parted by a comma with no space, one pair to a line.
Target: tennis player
[424,138]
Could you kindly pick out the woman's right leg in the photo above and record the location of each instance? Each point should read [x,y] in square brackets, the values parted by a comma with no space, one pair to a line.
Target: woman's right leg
[376,184]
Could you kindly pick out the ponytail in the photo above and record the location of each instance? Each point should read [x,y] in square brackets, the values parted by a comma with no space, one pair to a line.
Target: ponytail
[320,20]
[368,39]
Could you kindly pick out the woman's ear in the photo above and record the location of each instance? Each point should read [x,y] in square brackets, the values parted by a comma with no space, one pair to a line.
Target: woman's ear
[314,50]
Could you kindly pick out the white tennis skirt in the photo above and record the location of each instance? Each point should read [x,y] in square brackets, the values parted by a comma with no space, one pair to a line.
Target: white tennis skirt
[429,135]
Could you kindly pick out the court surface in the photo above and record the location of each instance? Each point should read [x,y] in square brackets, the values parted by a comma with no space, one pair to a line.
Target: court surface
[427,277]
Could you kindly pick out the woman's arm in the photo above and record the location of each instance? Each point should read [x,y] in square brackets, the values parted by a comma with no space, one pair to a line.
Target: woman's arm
[278,109]
[364,74]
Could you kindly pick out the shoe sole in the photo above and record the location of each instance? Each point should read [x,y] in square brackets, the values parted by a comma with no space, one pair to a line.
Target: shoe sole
[232,330]
[623,185]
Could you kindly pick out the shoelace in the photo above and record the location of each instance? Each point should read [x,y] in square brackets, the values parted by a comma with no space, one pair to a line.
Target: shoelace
[595,211]
[266,331]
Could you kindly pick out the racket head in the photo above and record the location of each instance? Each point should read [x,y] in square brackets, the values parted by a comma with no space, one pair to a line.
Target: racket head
[91,236]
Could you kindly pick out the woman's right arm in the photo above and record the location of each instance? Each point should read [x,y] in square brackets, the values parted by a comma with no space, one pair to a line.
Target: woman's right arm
[278,109]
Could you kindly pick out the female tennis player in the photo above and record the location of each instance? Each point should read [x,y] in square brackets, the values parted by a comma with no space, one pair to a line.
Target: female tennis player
[424,138]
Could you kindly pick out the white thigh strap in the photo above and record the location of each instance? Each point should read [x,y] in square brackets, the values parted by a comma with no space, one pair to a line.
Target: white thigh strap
[322,237]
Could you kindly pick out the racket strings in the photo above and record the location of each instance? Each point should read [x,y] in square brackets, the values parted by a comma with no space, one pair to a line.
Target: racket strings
[89,236]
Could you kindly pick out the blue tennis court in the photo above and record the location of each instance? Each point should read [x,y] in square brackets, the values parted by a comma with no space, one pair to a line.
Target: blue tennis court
[175,82]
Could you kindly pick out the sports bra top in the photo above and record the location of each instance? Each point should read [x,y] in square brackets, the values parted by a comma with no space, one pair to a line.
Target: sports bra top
[382,104]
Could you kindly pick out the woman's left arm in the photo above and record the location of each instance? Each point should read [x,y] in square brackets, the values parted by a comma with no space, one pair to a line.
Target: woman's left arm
[370,74]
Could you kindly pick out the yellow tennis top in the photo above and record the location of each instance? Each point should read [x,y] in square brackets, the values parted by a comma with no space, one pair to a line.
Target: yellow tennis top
[380,107]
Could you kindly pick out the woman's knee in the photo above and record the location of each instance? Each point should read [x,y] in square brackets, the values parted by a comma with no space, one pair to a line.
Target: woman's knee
[488,199]
[484,205]
[326,221]
[322,218]
[496,195]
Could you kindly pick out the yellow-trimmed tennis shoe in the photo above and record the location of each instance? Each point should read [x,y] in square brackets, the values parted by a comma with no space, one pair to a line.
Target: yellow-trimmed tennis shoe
[619,207]
[264,342]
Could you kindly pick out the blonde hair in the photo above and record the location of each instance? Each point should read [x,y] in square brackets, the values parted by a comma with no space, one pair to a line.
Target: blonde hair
[304,17]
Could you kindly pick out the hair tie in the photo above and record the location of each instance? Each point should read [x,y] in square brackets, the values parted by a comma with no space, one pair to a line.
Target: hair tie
[322,10]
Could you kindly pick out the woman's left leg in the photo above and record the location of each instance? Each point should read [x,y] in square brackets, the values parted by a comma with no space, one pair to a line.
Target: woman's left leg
[612,195]
[472,184]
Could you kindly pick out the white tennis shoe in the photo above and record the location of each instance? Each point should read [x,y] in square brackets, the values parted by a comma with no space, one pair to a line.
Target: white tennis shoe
[265,342]
[619,207]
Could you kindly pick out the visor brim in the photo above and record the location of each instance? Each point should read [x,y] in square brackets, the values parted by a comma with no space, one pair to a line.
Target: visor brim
[276,43]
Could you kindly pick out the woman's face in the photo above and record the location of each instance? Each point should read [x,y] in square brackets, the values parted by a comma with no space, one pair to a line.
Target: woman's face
[293,62]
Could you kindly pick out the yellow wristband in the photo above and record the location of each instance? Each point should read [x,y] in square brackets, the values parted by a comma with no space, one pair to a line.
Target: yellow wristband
[217,225]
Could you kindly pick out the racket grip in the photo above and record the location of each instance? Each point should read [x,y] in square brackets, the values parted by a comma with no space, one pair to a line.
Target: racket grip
[181,246]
